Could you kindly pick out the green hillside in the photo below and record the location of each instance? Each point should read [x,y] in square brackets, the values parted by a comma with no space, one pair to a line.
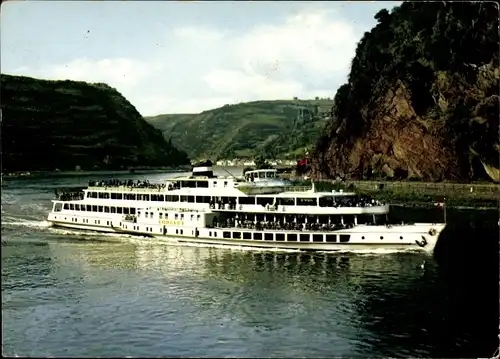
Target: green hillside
[280,129]
[68,124]
[421,99]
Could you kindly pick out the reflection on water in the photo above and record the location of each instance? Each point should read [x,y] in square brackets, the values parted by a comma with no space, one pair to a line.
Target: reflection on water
[340,304]
[287,304]
[88,294]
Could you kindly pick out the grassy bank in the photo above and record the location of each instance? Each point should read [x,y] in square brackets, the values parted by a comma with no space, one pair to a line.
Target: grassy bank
[420,193]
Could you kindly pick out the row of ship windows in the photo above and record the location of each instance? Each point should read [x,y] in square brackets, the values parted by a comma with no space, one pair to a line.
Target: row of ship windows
[124,210]
[84,220]
[167,215]
[97,221]
[148,229]
[164,230]
[280,237]
[323,201]
[290,237]
[93,208]
[121,210]
[136,228]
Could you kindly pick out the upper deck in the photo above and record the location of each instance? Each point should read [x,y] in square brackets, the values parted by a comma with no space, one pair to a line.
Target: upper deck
[298,200]
[195,186]
[257,191]
[198,184]
[261,175]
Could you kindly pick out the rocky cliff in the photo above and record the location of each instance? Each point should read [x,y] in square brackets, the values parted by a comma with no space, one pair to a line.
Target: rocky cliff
[421,99]
[67,125]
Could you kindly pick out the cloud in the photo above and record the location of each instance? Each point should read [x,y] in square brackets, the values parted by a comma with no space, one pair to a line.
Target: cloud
[119,72]
[299,57]
[196,68]
[311,42]
[201,35]
[249,86]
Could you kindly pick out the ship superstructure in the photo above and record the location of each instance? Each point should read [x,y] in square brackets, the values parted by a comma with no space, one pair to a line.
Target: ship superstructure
[258,210]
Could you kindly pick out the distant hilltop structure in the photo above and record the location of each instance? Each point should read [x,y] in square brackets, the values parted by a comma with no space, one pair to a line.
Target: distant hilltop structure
[317,98]
[251,163]
[308,112]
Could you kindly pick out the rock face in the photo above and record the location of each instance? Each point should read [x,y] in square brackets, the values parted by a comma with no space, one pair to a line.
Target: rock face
[67,125]
[422,98]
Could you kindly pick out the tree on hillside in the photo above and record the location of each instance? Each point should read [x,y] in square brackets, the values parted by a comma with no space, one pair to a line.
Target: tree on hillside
[261,163]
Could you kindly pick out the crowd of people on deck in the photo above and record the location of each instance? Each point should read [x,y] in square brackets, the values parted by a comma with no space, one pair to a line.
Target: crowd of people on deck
[357,201]
[64,195]
[126,183]
[293,226]
[277,225]
[341,202]
[173,186]
[220,204]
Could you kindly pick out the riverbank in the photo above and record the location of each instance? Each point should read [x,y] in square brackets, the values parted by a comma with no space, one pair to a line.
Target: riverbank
[471,196]
[42,174]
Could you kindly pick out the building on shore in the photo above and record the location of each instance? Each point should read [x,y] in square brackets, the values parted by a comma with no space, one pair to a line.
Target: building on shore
[249,163]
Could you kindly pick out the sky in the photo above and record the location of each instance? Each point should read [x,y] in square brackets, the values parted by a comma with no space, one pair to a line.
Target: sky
[188,56]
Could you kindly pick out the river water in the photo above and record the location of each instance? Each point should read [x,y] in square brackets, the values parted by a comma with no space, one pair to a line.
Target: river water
[70,293]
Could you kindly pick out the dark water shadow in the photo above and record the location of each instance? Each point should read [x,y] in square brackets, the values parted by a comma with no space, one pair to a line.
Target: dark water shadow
[467,254]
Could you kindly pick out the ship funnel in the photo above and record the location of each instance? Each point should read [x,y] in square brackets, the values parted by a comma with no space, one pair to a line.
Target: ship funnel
[203,169]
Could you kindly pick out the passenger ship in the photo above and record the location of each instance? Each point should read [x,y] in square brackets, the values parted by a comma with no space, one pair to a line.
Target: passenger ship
[257,210]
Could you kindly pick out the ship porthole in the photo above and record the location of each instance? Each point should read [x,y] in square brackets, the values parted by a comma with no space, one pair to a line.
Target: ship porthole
[363,237]
[401,237]
[381,237]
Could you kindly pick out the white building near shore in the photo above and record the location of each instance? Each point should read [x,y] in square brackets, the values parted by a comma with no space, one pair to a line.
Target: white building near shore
[250,163]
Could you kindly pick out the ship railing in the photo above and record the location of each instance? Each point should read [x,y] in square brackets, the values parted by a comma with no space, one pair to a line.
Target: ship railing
[75,194]
[127,189]
[63,198]
[172,209]
[296,188]
[272,189]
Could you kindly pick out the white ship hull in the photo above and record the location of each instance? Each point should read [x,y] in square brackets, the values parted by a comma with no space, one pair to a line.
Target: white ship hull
[362,237]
